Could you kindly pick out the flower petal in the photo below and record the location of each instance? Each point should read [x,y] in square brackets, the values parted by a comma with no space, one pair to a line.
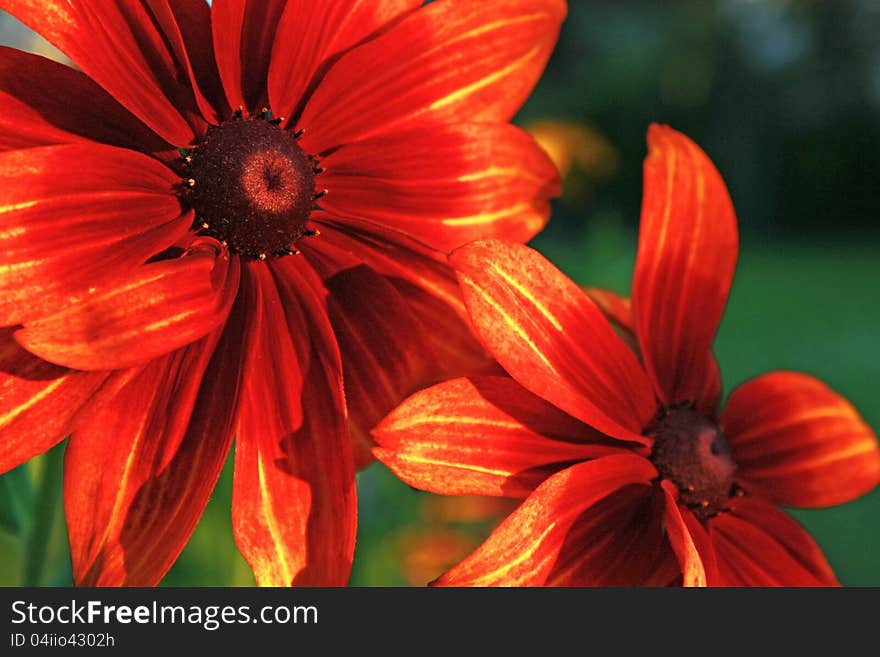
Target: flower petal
[445,185]
[682,541]
[758,545]
[450,61]
[121,47]
[156,309]
[311,35]
[74,216]
[710,388]
[483,436]
[798,443]
[549,336]
[396,336]
[294,502]
[404,261]
[39,402]
[524,549]
[140,469]
[187,26]
[243,34]
[617,541]
[43,102]
[383,346]
[684,266]
[618,310]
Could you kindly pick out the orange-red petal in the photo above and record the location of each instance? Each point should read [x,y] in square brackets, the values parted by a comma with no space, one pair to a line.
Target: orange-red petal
[524,549]
[243,32]
[796,442]
[43,102]
[142,464]
[38,402]
[551,337]
[756,544]
[445,185]
[123,49]
[451,61]
[311,36]
[294,504]
[385,350]
[618,541]
[693,572]
[618,309]
[186,25]
[483,436]
[684,266]
[405,261]
[398,316]
[152,311]
[74,216]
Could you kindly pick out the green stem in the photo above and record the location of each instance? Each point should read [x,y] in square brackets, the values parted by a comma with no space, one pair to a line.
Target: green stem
[19,500]
[48,495]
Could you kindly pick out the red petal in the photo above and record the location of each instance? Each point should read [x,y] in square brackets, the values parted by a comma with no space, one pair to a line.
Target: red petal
[618,541]
[385,350]
[618,309]
[798,443]
[758,545]
[445,185]
[43,102]
[311,35]
[483,436]
[187,26]
[524,549]
[450,61]
[74,216]
[123,49]
[552,338]
[294,504]
[154,310]
[139,471]
[406,262]
[39,402]
[244,31]
[710,388]
[684,267]
[692,569]
[396,335]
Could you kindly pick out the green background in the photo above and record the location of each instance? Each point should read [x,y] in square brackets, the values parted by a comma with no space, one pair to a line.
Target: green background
[785,97]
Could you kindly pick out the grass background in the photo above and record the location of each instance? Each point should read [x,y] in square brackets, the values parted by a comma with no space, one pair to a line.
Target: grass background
[785,97]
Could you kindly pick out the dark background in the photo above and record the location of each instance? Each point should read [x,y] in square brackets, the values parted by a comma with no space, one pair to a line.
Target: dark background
[785,98]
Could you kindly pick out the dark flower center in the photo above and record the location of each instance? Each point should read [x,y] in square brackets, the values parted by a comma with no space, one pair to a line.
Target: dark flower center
[252,187]
[690,451]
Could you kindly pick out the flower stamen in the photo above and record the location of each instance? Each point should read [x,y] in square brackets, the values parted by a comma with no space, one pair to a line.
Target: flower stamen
[690,451]
[251,185]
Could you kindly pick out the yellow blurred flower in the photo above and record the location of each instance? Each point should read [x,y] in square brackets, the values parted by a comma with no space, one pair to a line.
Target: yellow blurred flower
[570,144]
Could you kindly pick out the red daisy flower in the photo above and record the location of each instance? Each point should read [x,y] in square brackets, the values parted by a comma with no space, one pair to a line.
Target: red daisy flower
[630,474]
[169,279]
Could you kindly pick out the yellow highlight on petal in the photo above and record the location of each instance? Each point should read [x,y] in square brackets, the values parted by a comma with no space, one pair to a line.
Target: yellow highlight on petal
[273,526]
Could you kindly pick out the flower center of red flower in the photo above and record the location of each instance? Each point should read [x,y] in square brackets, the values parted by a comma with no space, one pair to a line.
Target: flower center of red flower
[690,451]
[252,187]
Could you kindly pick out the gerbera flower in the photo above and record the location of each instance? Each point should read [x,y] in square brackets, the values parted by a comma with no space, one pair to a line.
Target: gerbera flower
[227,210]
[629,473]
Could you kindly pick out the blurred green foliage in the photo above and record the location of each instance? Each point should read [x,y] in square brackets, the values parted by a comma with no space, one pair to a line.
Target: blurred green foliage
[785,97]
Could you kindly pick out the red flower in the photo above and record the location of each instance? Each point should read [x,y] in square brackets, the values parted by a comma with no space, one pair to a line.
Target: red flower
[151,211]
[670,490]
